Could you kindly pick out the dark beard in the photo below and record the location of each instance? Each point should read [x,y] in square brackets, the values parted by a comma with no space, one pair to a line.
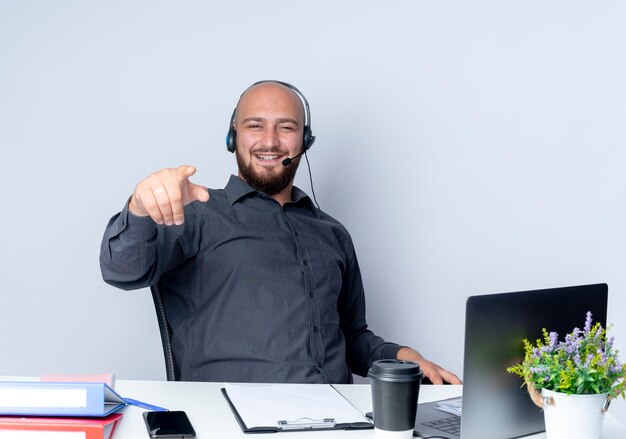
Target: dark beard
[269,184]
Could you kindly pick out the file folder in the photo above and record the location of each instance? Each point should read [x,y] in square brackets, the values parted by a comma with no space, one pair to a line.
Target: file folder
[31,398]
[59,428]
[270,408]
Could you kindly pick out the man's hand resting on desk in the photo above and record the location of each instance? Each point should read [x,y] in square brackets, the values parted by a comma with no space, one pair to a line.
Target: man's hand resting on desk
[432,371]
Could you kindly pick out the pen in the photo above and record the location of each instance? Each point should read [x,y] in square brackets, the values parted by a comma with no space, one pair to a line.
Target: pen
[145,405]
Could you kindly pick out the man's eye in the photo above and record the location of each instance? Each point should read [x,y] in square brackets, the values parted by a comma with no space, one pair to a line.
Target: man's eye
[254,126]
[287,128]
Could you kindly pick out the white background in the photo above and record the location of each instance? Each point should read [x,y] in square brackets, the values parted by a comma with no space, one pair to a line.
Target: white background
[469,146]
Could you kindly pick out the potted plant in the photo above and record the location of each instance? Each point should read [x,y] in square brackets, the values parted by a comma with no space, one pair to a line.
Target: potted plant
[573,380]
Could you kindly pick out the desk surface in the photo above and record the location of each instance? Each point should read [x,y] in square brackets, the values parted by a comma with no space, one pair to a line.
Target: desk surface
[212,418]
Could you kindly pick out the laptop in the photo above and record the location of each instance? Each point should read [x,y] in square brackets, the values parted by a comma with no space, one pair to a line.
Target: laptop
[494,406]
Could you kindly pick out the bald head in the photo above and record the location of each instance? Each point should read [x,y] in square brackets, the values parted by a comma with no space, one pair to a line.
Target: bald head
[267,100]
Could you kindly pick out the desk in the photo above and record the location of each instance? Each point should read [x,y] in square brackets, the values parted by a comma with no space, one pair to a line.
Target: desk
[212,418]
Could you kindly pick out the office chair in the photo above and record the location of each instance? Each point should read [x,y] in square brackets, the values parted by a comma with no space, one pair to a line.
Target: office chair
[171,366]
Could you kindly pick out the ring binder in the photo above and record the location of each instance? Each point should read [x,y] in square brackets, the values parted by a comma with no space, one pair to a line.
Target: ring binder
[307,424]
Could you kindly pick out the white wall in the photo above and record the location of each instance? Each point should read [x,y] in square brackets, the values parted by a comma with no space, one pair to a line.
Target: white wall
[470,147]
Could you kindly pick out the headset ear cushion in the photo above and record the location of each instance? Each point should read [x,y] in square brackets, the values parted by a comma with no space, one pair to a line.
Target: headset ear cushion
[231,140]
[308,138]
[231,137]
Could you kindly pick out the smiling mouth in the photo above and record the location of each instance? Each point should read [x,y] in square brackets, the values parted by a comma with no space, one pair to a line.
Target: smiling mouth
[267,157]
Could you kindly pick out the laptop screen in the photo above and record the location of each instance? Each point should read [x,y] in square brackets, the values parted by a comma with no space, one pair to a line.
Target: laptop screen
[495,406]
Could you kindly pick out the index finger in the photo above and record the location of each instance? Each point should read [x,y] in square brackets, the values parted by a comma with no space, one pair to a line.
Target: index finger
[451,378]
[183,172]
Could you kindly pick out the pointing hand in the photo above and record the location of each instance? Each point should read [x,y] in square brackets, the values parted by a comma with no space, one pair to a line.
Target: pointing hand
[162,195]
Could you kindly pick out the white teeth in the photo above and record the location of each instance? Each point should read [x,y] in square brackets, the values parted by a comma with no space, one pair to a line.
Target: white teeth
[267,157]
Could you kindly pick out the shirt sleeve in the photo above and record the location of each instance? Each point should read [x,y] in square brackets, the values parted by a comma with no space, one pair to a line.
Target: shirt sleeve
[363,347]
[135,251]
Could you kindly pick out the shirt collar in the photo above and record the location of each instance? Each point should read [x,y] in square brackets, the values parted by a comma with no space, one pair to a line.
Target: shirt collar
[237,188]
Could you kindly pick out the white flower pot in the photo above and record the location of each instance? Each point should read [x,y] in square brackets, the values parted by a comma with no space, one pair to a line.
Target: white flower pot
[573,416]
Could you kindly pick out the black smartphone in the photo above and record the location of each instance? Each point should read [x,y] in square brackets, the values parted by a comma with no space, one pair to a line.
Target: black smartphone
[168,424]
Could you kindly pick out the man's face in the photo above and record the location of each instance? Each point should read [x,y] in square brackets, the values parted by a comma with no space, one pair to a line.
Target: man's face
[269,123]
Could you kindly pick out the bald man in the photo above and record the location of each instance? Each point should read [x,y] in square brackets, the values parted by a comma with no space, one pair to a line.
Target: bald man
[259,285]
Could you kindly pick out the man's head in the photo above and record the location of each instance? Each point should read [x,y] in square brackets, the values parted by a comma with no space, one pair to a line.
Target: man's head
[269,122]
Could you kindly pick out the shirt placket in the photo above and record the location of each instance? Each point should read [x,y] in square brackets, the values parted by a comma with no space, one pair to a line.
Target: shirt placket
[307,269]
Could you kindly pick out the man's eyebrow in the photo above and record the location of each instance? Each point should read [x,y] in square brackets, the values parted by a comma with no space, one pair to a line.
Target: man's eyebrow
[287,120]
[253,119]
[279,120]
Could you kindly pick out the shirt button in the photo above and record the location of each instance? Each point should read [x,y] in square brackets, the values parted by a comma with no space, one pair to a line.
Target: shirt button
[311,294]
[315,329]
[305,262]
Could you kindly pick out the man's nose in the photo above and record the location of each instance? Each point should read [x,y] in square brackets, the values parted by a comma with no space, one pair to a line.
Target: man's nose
[270,138]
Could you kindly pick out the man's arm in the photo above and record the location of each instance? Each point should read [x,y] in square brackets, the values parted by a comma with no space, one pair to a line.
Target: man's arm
[363,347]
[135,250]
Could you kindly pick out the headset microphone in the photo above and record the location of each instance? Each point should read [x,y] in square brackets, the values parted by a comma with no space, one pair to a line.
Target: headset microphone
[288,160]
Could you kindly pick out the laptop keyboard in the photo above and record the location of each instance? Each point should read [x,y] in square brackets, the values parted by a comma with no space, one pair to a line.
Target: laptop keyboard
[450,425]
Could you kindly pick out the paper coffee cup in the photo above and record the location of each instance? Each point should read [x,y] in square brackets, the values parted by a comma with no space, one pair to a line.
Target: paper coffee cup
[395,390]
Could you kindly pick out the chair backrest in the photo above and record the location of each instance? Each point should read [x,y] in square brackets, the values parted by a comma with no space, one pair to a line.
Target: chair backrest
[171,366]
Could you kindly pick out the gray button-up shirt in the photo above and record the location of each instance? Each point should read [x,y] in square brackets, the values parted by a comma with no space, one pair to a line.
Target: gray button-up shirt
[254,291]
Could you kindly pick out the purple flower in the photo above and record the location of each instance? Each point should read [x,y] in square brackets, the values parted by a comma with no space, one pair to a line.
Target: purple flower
[577,359]
[588,323]
[545,350]
[598,333]
[588,360]
[617,367]
[572,342]
[609,345]
[538,370]
[554,338]
[535,354]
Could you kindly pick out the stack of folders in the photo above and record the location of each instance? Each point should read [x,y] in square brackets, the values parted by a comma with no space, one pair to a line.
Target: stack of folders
[59,410]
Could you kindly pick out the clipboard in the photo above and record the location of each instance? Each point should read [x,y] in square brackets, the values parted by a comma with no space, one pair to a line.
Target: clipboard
[272,408]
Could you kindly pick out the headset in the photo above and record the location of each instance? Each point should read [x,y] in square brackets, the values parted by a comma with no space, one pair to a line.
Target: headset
[307,139]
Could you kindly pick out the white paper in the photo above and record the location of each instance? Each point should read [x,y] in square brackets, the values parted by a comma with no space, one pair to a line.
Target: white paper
[24,397]
[262,405]
[453,406]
